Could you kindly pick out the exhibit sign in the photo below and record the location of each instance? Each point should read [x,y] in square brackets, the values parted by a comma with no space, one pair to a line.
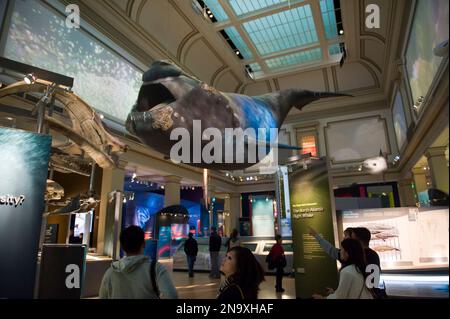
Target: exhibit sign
[51,234]
[405,237]
[312,206]
[24,167]
[62,271]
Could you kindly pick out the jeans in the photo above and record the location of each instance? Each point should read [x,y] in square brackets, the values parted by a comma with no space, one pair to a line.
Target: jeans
[214,256]
[190,262]
[279,275]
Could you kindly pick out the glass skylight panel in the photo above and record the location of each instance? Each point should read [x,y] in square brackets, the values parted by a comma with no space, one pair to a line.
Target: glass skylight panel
[216,9]
[334,49]
[295,58]
[234,36]
[329,18]
[241,7]
[281,31]
[255,67]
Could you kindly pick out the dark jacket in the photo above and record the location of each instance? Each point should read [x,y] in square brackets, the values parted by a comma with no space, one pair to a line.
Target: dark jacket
[215,242]
[231,293]
[372,257]
[191,247]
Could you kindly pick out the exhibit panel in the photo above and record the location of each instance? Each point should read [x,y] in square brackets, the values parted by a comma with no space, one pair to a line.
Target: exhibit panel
[405,238]
[24,161]
[312,206]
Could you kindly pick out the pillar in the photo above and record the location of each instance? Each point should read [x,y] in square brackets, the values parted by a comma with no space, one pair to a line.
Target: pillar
[406,192]
[172,190]
[420,179]
[235,210]
[438,167]
[109,224]
[227,216]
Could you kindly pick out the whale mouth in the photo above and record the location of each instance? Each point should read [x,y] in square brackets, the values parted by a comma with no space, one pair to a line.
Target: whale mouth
[153,94]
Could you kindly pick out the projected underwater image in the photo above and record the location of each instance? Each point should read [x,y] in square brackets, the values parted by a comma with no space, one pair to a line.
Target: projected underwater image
[430,28]
[39,36]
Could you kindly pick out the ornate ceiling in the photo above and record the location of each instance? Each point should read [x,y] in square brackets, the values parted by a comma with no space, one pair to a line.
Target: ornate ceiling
[173,29]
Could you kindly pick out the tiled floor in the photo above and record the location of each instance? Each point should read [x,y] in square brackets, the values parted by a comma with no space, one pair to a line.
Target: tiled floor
[202,287]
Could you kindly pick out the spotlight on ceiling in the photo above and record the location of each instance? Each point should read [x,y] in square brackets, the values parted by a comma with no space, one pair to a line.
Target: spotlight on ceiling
[29,79]
[211,16]
[237,52]
[341,32]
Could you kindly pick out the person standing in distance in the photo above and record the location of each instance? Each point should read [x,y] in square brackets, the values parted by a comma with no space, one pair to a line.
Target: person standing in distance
[215,242]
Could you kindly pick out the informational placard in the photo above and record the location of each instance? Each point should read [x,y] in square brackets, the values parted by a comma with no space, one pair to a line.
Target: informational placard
[24,166]
[311,205]
[51,234]
[62,270]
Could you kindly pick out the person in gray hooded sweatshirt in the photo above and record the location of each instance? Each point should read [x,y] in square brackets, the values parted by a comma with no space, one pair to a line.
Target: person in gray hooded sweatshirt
[130,277]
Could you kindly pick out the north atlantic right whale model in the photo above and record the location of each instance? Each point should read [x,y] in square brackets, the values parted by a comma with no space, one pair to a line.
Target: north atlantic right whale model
[169,99]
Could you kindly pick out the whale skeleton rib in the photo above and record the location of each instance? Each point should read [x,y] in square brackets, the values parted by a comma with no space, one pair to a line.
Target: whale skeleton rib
[87,129]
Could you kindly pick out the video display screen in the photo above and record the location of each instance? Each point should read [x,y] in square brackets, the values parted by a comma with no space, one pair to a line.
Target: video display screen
[38,36]
[429,28]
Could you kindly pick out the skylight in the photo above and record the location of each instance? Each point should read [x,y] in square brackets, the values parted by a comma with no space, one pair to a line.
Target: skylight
[241,7]
[282,31]
[216,9]
[234,36]
[296,58]
[269,36]
[329,18]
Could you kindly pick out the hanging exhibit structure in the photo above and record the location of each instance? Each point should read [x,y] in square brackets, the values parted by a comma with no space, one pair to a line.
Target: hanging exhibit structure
[172,104]
[29,157]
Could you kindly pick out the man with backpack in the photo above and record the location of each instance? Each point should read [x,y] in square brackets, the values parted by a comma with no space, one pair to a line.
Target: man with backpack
[135,276]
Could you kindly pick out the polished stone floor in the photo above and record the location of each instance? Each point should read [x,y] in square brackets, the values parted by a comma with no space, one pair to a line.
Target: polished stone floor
[203,287]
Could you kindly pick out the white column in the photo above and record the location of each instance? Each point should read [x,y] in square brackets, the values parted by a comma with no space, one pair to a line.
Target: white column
[172,190]
[406,192]
[112,179]
[420,179]
[235,210]
[438,166]
[227,216]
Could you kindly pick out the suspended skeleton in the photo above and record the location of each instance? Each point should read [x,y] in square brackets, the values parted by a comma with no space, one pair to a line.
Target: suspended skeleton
[85,129]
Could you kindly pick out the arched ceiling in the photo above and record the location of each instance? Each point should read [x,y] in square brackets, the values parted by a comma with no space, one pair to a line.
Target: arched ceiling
[173,29]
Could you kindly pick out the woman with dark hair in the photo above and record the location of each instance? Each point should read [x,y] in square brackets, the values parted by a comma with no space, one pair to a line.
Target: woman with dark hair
[352,276]
[243,274]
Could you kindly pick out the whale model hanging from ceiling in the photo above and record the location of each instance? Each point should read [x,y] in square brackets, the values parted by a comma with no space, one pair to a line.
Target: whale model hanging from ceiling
[169,99]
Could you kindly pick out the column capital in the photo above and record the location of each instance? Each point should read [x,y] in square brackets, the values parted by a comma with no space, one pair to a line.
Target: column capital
[121,164]
[172,179]
[418,171]
[235,195]
[435,151]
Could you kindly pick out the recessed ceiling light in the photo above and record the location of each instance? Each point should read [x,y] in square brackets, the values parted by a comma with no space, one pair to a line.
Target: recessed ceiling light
[211,16]
[237,52]
[341,32]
